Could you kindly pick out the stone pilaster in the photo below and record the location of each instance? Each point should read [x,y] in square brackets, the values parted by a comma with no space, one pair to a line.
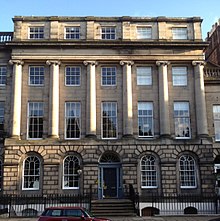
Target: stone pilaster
[91,98]
[201,119]
[17,87]
[54,98]
[127,98]
[164,98]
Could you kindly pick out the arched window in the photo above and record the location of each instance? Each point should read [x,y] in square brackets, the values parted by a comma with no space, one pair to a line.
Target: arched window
[187,169]
[31,173]
[1,172]
[149,172]
[71,166]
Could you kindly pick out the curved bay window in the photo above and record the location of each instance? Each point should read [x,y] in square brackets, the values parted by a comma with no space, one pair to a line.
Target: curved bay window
[187,170]
[31,173]
[71,166]
[149,172]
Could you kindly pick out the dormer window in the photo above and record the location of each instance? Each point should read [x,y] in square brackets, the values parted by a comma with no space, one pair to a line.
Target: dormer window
[108,33]
[144,32]
[36,32]
[72,32]
[179,33]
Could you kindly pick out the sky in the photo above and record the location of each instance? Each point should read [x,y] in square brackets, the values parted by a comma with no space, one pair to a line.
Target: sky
[208,10]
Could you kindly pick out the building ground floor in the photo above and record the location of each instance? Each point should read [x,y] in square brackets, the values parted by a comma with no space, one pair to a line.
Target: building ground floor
[107,169]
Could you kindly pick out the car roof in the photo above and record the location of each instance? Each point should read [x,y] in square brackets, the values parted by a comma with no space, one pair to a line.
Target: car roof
[65,207]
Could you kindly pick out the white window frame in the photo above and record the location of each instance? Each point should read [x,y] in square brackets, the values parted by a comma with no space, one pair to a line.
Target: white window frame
[109,74]
[36,174]
[182,119]
[112,105]
[74,113]
[180,76]
[36,72]
[216,119]
[144,109]
[149,172]
[187,172]
[73,32]
[144,32]
[37,32]
[3,75]
[75,173]
[108,32]
[180,33]
[144,76]
[74,75]
[2,114]
[39,117]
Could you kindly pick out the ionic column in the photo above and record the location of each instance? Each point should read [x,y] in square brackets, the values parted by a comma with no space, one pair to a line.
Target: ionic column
[54,99]
[164,98]
[16,109]
[201,117]
[91,98]
[127,98]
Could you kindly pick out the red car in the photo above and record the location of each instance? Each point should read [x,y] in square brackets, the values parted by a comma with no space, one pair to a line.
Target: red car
[68,214]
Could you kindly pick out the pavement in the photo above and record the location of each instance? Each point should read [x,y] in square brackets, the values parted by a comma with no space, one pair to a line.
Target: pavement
[145,218]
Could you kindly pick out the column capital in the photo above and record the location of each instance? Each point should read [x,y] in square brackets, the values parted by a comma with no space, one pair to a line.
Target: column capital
[92,63]
[18,62]
[129,63]
[55,62]
[162,63]
[200,63]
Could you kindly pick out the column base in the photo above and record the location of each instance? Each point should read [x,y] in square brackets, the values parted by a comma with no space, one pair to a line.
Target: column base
[53,137]
[91,136]
[127,136]
[165,136]
[16,137]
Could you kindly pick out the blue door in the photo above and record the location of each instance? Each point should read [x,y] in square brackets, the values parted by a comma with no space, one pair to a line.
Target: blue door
[110,181]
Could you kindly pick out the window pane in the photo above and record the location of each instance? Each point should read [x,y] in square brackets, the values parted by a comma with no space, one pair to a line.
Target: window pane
[31,173]
[148,172]
[179,76]
[36,32]
[216,118]
[72,32]
[187,172]
[179,33]
[108,33]
[144,76]
[35,120]
[108,76]
[109,120]
[3,71]
[144,32]
[71,165]
[36,75]
[145,119]
[2,113]
[73,119]
[182,120]
[72,75]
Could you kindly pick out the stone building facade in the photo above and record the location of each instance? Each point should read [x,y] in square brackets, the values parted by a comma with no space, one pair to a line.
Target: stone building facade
[101,103]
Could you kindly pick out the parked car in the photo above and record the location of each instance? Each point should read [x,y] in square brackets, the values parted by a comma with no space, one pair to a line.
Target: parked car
[68,214]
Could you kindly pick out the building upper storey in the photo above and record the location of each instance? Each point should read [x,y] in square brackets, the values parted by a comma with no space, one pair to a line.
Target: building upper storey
[106,28]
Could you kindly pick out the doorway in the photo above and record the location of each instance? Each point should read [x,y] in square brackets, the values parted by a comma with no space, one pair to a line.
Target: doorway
[110,177]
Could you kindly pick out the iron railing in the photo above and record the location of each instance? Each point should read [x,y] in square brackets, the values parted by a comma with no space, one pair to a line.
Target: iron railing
[6,36]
